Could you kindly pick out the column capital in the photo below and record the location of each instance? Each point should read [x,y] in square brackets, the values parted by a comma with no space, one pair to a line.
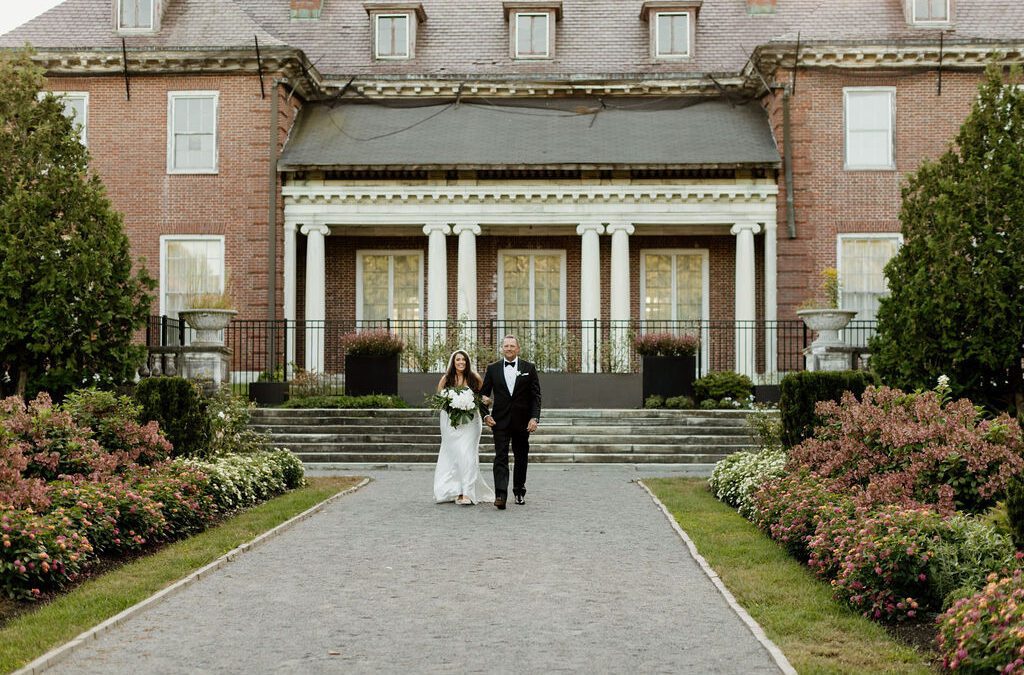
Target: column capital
[738,228]
[472,228]
[430,228]
[290,226]
[612,228]
[315,229]
[583,228]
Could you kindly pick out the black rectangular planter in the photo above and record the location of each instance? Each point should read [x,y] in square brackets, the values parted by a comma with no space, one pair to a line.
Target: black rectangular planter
[371,375]
[668,375]
[268,393]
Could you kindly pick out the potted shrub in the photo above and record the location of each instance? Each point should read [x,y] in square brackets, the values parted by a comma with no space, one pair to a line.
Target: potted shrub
[669,363]
[270,388]
[822,313]
[371,362]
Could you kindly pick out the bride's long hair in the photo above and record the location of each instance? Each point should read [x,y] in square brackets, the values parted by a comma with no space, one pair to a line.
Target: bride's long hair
[473,379]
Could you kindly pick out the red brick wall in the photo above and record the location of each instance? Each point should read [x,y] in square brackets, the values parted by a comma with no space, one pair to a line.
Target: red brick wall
[128,143]
[830,200]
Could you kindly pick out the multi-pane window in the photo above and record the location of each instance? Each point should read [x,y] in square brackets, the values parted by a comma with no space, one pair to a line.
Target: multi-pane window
[76,108]
[389,286]
[531,285]
[189,266]
[192,132]
[392,36]
[869,114]
[931,11]
[672,34]
[862,260]
[532,35]
[135,14]
[674,285]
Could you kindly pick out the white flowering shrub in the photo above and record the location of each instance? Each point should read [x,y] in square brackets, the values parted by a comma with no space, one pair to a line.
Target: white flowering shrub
[239,481]
[229,425]
[737,476]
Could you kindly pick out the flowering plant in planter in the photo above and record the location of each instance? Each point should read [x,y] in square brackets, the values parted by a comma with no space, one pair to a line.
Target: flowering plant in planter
[666,344]
[372,343]
[827,295]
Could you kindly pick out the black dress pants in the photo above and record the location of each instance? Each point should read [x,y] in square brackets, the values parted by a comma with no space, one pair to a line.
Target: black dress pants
[520,442]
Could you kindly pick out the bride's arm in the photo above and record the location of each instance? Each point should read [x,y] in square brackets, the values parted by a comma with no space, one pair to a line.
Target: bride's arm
[440,383]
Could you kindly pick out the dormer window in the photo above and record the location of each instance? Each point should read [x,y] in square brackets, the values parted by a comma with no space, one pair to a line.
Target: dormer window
[532,28]
[135,15]
[394,28]
[672,27]
[929,12]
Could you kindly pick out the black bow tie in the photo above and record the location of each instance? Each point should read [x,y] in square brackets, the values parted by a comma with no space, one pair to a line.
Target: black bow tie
[510,364]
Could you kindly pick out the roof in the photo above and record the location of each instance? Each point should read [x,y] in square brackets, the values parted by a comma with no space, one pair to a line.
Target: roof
[531,133]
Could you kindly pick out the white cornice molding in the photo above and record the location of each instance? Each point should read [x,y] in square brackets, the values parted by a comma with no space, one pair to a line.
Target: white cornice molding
[953,56]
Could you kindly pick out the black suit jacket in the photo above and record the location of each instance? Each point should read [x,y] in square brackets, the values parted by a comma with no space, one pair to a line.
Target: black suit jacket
[512,412]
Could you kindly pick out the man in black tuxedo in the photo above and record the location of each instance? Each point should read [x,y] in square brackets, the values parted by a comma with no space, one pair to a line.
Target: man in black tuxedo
[514,388]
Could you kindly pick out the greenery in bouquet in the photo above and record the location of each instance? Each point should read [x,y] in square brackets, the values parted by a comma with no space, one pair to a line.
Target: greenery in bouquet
[459,402]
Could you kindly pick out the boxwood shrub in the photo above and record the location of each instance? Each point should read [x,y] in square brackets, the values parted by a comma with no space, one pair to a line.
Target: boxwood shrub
[180,410]
[799,392]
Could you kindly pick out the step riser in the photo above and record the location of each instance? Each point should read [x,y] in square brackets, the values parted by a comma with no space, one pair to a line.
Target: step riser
[486,460]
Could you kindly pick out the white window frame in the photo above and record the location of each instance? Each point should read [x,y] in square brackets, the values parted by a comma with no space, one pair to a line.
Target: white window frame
[532,252]
[391,277]
[172,96]
[137,29]
[841,238]
[167,238]
[409,27]
[657,37]
[705,281]
[931,22]
[547,35]
[84,95]
[890,165]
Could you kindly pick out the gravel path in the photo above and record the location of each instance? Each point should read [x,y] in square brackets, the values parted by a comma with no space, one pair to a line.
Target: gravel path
[587,576]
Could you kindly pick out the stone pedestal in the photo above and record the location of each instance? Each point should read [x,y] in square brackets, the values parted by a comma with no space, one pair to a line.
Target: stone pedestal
[207,365]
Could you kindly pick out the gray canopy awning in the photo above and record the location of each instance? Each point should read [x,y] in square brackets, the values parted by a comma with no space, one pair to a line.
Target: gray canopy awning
[556,133]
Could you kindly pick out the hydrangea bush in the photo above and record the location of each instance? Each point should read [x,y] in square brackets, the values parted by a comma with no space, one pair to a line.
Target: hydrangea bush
[734,478]
[238,481]
[39,552]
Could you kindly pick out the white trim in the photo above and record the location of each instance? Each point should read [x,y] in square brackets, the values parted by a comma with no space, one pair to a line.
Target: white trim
[657,36]
[171,97]
[532,252]
[391,277]
[84,95]
[137,30]
[891,164]
[408,36]
[705,291]
[164,238]
[547,35]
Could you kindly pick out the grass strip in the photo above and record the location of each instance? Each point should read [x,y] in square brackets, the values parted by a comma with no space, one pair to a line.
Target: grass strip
[35,632]
[816,633]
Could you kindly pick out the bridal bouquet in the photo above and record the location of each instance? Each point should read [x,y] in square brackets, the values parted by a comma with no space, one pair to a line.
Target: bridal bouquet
[458,402]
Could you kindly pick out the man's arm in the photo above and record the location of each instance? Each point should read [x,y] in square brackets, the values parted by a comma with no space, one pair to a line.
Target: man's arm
[534,401]
[486,389]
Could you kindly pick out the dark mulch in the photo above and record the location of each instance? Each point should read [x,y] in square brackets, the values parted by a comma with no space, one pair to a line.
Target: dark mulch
[919,634]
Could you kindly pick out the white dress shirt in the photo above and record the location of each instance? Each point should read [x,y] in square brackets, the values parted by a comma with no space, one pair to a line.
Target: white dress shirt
[510,373]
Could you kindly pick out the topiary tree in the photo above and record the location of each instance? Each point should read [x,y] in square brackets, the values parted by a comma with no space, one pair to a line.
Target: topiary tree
[69,300]
[955,285]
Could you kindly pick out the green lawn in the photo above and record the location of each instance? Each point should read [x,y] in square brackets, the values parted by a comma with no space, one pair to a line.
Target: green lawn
[34,632]
[816,633]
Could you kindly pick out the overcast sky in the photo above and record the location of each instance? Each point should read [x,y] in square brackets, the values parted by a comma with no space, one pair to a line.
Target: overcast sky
[13,13]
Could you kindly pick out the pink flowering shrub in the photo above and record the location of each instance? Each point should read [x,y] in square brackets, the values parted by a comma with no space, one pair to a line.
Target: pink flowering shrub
[38,552]
[184,494]
[114,423]
[985,633]
[50,440]
[789,508]
[16,490]
[114,515]
[916,449]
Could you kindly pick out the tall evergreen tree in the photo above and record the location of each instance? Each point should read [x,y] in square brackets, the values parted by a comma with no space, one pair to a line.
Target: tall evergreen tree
[70,302]
[957,285]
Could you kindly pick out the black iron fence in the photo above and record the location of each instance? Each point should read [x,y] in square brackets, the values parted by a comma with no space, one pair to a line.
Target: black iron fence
[310,352]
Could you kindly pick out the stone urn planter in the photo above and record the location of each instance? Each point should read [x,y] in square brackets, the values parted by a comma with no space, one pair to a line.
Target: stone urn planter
[827,323]
[208,325]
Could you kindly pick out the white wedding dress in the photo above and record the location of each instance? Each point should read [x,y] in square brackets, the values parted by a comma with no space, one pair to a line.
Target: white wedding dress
[458,462]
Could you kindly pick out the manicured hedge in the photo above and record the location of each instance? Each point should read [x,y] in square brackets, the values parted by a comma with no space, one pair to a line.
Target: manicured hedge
[180,410]
[368,401]
[799,392]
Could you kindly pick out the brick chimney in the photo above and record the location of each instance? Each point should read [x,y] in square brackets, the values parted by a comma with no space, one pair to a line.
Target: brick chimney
[755,6]
[306,9]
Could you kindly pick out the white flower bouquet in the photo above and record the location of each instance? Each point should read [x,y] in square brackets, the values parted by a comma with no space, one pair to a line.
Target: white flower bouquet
[458,402]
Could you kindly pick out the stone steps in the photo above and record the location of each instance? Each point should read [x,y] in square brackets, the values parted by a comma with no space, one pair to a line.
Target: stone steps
[411,436]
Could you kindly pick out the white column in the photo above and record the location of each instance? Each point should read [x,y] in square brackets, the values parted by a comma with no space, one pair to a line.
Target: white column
[289,295]
[746,311]
[466,294]
[437,280]
[316,296]
[590,293]
[771,310]
[619,286]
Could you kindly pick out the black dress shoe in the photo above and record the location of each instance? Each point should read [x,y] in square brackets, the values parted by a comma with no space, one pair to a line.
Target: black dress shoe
[520,499]
[499,503]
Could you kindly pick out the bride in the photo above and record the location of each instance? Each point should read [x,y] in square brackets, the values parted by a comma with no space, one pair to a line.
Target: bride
[457,476]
